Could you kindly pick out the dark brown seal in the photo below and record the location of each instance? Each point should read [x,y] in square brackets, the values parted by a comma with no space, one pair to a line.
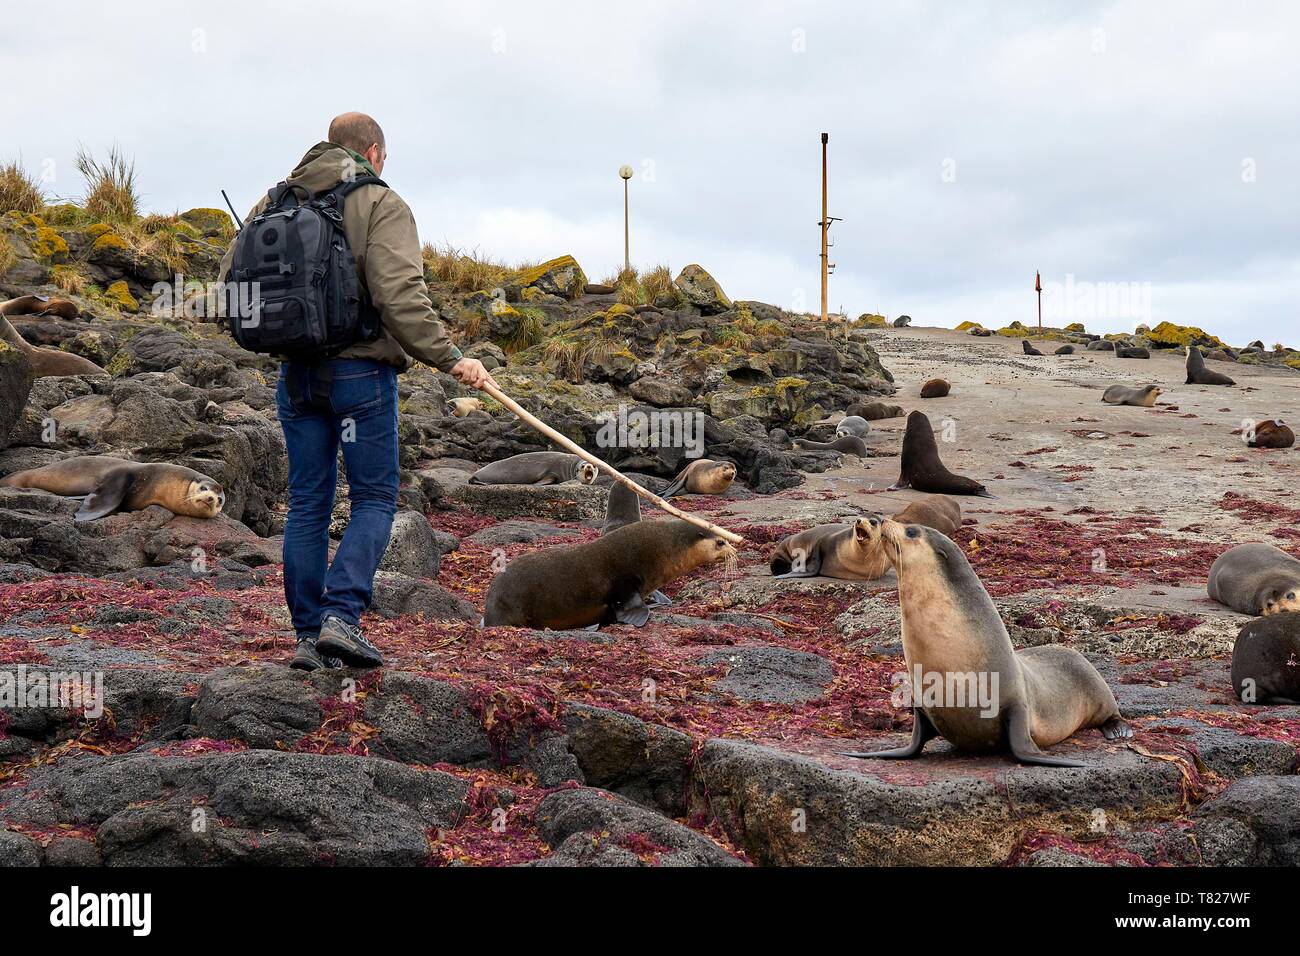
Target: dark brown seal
[935,388]
[601,581]
[933,511]
[874,411]
[1272,433]
[921,467]
[1198,374]
[1266,660]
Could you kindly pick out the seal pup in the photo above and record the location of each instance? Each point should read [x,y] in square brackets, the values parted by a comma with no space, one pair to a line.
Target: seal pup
[39,305]
[536,468]
[623,508]
[873,411]
[1029,349]
[980,332]
[1064,350]
[1132,352]
[601,581]
[113,484]
[47,362]
[1273,433]
[902,322]
[1101,345]
[460,407]
[1198,374]
[1144,396]
[704,476]
[1032,699]
[921,467]
[844,444]
[1255,579]
[854,425]
[1266,660]
[939,512]
[851,552]
[935,388]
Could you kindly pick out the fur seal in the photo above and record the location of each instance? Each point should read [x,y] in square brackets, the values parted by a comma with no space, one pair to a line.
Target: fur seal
[704,476]
[113,484]
[902,322]
[1266,660]
[1198,374]
[873,411]
[921,467]
[44,362]
[535,468]
[1101,345]
[1143,396]
[1065,350]
[1273,433]
[951,631]
[1029,349]
[1132,352]
[601,581]
[851,552]
[853,425]
[40,305]
[935,388]
[624,508]
[1256,579]
[460,407]
[934,511]
[980,331]
[844,444]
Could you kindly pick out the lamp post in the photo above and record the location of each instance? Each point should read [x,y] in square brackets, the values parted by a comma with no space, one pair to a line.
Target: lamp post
[626,173]
[1038,287]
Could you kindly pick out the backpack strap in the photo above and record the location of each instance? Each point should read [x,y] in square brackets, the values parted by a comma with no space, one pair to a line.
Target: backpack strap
[281,191]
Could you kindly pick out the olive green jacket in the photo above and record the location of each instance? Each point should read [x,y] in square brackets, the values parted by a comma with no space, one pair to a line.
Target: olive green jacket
[381,232]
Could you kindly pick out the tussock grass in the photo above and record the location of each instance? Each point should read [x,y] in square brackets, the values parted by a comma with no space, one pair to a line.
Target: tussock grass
[68,280]
[635,287]
[531,331]
[112,194]
[7,255]
[464,271]
[19,191]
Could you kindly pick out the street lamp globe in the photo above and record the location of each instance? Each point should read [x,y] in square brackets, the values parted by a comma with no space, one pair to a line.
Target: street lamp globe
[625,172]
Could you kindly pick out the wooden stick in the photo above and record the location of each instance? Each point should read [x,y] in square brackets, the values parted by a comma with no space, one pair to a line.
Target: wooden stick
[534,422]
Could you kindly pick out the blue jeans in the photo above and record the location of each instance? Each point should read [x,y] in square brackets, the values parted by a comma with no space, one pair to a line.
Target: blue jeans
[359,412]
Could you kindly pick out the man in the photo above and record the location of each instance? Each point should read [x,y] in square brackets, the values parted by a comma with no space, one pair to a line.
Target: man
[357,409]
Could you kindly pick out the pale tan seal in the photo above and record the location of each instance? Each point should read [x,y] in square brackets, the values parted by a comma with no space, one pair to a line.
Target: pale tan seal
[852,552]
[1255,578]
[112,484]
[602,581]
[44,362]
[934,511]
[460,407]
[703,476]
[955,643]
[1144,396]
[536,468]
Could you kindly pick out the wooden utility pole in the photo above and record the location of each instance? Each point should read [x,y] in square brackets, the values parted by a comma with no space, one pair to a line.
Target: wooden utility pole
[826,226]
[1038,287]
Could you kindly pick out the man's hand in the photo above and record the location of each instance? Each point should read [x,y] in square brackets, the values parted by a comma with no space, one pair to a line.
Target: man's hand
[471,372]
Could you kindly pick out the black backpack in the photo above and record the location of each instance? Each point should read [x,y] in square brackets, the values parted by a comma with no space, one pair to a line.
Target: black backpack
[308,303]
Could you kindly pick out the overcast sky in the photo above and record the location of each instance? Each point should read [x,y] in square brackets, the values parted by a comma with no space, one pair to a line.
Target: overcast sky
[1150,147]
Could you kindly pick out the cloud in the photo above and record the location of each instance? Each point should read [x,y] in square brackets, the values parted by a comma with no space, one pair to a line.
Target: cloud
[971,142]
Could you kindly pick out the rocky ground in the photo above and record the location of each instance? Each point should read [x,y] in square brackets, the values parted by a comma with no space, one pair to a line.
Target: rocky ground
[707,737]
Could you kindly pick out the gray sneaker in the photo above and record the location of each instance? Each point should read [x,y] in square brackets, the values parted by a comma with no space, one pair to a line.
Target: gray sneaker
[347,643]
[307,658]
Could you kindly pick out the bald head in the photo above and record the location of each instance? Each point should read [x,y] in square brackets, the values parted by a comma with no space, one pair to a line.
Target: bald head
[357,131]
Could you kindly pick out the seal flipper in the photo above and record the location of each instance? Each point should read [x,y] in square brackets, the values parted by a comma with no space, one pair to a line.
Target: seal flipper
[106,497]
[631,610]
[1022,744]
[676,488]
[657,599]
[922,731]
